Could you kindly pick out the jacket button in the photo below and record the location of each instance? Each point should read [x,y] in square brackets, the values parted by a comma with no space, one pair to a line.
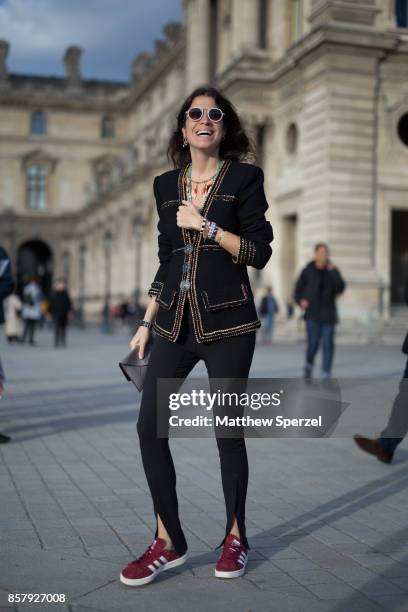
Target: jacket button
[184,285]
[188,248]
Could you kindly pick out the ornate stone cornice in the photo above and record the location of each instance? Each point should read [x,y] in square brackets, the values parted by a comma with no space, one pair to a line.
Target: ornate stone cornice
[74,93]
[246,66]
[53,93]
[356,12]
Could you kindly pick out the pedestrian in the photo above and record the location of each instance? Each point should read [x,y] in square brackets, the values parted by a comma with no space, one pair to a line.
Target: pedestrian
[44,311]
[124,311]
[385,446]
[32,297]
[6,288]
[211,226]
[60,309]
[316,290]
[290,308]
[13,311]
[268,309]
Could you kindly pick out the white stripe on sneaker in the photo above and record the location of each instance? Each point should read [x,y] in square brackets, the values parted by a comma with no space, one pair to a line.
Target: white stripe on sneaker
[163,559]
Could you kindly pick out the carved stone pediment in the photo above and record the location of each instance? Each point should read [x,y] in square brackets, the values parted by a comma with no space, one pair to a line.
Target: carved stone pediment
[39,157]
[108,171]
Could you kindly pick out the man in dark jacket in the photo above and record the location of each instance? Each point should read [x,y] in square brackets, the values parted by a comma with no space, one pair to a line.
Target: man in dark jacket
[319,283]
[60,308]
[6,288]
[268,309]
[397,428]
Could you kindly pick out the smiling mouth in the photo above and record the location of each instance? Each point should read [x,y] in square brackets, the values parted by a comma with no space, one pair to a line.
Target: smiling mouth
[204,133]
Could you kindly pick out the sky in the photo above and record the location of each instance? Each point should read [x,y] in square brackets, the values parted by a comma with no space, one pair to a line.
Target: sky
[110,32]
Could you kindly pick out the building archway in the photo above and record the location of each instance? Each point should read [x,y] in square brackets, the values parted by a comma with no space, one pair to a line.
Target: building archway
[35,259]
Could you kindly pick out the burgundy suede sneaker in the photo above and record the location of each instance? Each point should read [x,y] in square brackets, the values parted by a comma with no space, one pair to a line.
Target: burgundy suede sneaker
[153,561]
[233,559]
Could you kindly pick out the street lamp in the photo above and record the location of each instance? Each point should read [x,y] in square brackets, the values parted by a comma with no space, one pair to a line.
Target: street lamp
[81,291]
[107,244]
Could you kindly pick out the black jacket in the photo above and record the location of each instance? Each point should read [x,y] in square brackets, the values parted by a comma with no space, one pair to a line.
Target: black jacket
[320,288]
[60,305]
[215,283]
[405,343]
[6,280]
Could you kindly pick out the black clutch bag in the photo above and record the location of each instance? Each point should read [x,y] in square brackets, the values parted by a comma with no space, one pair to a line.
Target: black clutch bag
[134,368]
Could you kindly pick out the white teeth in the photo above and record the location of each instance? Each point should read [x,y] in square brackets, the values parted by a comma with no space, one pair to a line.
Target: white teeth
[203,133]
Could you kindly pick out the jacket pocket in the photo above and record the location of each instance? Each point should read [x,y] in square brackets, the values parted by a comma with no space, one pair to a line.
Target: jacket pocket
[225,297]
[166,297]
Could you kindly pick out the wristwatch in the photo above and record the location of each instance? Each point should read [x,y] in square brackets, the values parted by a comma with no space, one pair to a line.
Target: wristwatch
[145,323]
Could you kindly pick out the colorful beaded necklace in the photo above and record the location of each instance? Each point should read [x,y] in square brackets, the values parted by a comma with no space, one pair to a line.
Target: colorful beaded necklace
[193,192]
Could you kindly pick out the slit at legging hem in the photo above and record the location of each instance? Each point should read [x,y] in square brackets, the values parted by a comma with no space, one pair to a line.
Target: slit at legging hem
[224,358]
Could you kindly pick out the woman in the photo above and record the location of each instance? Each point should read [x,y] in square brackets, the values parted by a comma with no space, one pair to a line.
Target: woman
[14,324]
[211,226]
[32,297]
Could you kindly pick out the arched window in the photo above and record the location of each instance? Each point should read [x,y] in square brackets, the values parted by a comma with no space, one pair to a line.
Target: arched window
[108,127]
[38,122]
[37,176]
[401,13]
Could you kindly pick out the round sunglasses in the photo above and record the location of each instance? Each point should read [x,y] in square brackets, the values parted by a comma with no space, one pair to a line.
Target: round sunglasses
[196,112]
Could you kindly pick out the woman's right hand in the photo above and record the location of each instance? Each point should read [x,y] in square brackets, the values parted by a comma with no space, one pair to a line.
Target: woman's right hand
[140,340]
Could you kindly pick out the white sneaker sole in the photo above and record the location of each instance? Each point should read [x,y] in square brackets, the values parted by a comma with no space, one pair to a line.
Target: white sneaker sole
[163,568]
[236,574]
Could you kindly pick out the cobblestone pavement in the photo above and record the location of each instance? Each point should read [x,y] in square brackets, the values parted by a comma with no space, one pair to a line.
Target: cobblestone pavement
[327,525]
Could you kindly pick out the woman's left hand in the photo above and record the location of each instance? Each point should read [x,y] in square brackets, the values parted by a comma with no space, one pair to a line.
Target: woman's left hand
[188,216]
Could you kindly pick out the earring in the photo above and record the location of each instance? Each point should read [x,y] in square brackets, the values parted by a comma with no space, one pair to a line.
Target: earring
[185,142]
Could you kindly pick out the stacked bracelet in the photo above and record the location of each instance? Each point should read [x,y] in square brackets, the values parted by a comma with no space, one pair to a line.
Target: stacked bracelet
[212,230]
[221,235]
[144,323]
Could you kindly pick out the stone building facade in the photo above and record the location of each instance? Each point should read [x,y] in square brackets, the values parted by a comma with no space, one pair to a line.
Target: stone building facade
[322,86]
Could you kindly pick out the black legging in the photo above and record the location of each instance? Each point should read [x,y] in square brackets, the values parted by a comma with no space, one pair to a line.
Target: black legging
[224,358]
[60,331]
[29,330]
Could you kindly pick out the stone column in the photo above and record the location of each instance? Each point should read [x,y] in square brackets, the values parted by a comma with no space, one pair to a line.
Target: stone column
[245,26]
[386,19]
[197,19]
[279,29]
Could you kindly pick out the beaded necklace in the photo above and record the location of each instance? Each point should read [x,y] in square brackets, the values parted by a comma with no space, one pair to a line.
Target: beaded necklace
[193,192]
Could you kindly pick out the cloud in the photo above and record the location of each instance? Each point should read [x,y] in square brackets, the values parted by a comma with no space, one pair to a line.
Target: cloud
[110,32]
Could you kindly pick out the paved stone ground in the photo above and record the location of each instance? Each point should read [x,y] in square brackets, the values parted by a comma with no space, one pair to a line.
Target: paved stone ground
[327,524]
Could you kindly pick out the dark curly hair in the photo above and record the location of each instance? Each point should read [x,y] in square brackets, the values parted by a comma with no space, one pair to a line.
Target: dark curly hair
[235,145]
